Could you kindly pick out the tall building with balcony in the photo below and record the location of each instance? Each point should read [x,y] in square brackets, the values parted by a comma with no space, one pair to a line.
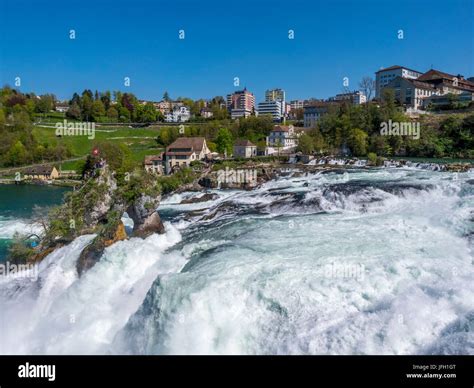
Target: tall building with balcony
[275,95]
[240,103]
[384,76]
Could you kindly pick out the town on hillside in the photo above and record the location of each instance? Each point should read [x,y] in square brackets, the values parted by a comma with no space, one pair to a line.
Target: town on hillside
[166,136]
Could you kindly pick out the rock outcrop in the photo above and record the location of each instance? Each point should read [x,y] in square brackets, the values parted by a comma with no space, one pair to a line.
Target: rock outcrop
[93,252]
[105,206]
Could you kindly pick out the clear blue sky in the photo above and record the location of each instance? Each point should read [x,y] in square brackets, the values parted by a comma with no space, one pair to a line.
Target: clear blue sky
[226,39]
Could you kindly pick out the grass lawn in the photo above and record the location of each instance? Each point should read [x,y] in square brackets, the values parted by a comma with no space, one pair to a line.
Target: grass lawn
[140,141]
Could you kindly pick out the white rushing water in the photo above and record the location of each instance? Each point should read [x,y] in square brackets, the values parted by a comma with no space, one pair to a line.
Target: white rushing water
[359,262]
[10,226]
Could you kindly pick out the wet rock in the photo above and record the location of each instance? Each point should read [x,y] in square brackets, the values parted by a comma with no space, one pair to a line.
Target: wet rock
[93,252]
[152,224]
[203,198]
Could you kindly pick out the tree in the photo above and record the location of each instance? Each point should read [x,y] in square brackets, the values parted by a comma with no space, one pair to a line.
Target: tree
[357,142]
[106,99]
[86,106]
[97,110]
[45,104]
[88,167]
[17,154]
[166,97]
[367,85]
[305,144]
[112,114]
[124,115]
[147,113]
[224,141]
[74,111]
[118,156]
[389,107]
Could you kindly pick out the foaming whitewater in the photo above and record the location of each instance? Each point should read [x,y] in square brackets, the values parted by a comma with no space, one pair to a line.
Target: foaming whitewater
[358,261]
[343,262]
[9,226]
[55,312]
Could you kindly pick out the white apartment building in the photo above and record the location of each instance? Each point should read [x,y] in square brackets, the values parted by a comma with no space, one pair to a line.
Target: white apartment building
[384,76]
[271,108]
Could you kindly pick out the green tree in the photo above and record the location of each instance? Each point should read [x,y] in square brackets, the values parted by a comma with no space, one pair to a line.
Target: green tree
[357,142]
[148,113]
[86,107]
[112,114]
[124,115]
[224,141]
[305,144]
[74,111]
[45,104]
[98,110]
[17,155]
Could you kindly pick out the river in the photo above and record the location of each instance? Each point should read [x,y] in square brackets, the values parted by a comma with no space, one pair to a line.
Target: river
[361,261]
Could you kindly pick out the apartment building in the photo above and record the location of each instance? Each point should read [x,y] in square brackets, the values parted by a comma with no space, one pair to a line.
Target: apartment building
[271,108]
[410,93]
[384,76]
[315,110]
[241,103]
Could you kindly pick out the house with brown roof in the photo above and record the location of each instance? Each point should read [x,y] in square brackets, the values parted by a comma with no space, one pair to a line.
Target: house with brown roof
[282,136]
[41,173]
[185,150]
[447,83]
[244,149]
[154,164]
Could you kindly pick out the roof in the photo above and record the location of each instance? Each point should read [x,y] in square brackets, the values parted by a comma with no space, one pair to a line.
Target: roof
[394,67]
[421,84]
[179,153]
[150,158]
[281,128]
[414,82]
[193,143]
[436,75]
[39,170]
[244,143]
